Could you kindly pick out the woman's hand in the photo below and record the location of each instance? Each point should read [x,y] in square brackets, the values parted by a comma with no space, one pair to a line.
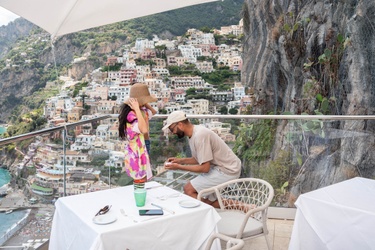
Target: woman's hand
[142,125]
[133,103]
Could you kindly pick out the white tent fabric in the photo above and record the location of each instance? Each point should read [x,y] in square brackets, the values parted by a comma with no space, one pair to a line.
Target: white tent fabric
[60,17]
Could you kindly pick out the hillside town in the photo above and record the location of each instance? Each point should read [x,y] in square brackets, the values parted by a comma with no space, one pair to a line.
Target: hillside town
[148,62]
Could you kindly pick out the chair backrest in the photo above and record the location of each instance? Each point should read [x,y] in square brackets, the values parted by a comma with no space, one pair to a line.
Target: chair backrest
[245,194]
[231,243]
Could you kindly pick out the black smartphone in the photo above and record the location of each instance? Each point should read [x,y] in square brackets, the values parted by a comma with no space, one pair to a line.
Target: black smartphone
[151,212]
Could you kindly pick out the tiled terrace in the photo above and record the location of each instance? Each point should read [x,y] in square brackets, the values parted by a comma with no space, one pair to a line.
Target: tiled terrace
[280,225]
[279,236]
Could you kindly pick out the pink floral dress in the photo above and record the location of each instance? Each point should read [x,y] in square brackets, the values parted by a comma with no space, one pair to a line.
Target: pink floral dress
[137,161]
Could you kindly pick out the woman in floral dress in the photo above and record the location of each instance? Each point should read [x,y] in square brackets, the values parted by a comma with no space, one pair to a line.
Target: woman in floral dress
[133,126]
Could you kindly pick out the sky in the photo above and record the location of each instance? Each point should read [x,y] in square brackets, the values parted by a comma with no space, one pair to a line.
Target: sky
[6,16]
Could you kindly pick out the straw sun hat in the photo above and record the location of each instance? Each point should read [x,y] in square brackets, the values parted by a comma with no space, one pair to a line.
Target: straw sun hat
[140,91]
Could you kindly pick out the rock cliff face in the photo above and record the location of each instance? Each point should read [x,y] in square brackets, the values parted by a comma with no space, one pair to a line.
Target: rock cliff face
[11,32]
[18,82]
[296,50]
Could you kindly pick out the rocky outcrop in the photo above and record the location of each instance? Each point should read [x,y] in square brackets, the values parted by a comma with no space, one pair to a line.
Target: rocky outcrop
[295,51]
[13,31]
[16,82]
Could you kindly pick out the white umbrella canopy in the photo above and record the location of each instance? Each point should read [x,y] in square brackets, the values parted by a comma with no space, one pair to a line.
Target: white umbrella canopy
[60,17]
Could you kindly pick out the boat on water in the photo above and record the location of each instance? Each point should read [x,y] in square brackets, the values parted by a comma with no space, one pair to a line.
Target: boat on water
[8,211]
[33,201]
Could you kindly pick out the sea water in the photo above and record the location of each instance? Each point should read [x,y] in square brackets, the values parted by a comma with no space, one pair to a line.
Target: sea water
[9,223]
[4,177]
[8,220]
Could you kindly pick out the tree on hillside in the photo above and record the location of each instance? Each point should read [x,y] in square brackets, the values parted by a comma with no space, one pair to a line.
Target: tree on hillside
[160,51]
[206,29]
[233,111]
[223,110]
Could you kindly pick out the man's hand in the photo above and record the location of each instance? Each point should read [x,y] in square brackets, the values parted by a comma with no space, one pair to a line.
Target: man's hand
[171,166]
[174,160]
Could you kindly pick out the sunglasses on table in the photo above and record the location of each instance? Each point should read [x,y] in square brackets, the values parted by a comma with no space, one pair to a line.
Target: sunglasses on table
[103,210]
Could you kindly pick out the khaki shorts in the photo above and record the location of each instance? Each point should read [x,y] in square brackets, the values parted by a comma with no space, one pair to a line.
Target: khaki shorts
[212,178]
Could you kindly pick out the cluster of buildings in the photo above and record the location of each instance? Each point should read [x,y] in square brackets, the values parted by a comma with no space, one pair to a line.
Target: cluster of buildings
[106,90]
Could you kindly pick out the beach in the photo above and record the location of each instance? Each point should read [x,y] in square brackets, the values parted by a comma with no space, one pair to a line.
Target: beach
[36,230]
[34,227]
[11,223]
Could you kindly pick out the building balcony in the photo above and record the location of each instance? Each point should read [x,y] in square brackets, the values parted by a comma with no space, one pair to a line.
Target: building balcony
[296,154]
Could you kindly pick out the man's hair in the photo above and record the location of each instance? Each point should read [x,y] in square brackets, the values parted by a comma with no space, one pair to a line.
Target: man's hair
[186,121]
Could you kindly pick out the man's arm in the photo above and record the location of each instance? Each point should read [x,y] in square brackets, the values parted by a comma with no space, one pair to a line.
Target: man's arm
[202,168]
[186,161]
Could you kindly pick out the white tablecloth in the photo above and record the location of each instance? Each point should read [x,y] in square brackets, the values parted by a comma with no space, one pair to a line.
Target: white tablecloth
[340,216]
[188,228]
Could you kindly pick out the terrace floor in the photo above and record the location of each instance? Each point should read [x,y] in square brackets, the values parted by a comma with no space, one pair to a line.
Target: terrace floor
[279,236]
[280,225]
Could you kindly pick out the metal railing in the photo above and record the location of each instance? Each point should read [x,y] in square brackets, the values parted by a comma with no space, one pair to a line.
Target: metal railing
[65,127]
[253,117]
[50,130]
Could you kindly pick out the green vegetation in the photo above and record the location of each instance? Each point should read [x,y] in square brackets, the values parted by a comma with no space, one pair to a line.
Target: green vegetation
[278,173]
[223,110]
[161,51]
[115,67]
[79,86]
[99,161]
[254,144]
[193,93]
[322,71]
[185,70]
[29,122]
[233,111]
[141,62]
[221,77]
[28,116]
[229,39]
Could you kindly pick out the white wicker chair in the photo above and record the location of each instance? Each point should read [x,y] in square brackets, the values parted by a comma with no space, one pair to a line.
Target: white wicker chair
[243,207]
[231,243]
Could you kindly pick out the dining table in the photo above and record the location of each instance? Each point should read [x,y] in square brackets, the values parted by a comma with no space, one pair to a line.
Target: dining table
[186,223]
[339,216]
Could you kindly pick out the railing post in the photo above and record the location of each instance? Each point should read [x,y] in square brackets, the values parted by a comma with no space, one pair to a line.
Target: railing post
[64,160]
